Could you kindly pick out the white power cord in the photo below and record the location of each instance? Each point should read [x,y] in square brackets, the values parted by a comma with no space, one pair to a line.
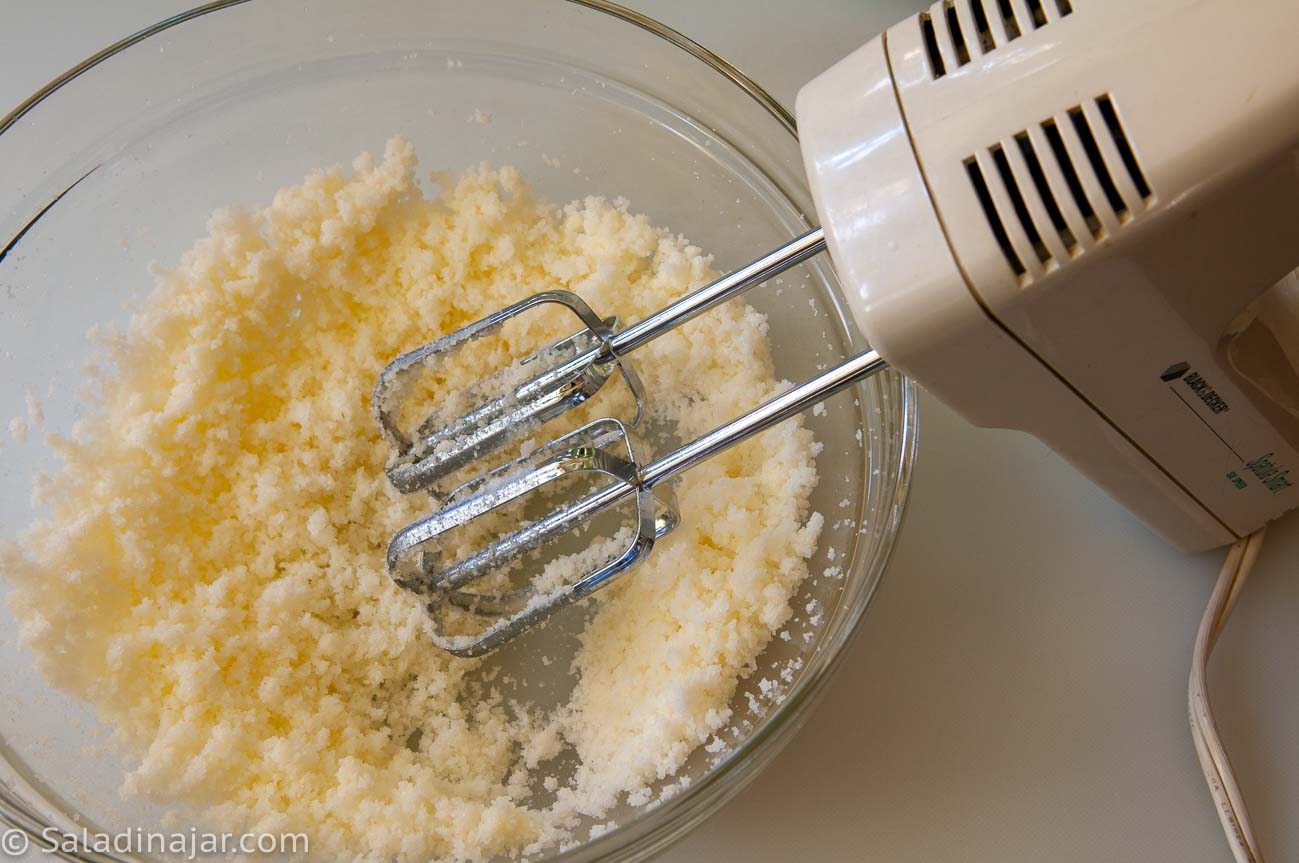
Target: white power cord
[1204,732]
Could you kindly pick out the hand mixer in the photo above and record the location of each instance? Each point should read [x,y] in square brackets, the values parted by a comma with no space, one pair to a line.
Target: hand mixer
[1071,217]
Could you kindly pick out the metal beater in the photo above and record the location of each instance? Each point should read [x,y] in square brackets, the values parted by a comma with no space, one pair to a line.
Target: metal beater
[512,404]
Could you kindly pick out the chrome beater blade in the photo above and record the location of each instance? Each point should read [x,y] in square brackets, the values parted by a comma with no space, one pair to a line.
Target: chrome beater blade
[469,623]
[506,406]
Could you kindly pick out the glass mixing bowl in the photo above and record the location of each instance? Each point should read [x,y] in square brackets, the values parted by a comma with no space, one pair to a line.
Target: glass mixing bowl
[120,161]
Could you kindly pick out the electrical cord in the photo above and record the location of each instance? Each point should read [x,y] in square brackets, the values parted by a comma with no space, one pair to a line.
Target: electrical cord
[1204,732]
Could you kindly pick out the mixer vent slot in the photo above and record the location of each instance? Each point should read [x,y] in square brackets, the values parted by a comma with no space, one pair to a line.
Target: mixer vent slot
[1008,20]
[945,26]
[1051,179]
[954,30]
[994,218]
[1121,143]
[986,40]
[1037,13]
[936,65]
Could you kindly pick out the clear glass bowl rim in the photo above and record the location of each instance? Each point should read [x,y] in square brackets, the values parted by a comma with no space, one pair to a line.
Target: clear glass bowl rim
[681,814]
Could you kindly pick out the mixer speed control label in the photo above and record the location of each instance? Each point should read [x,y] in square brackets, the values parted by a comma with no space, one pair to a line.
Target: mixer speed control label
[1274,477]
[1197,395]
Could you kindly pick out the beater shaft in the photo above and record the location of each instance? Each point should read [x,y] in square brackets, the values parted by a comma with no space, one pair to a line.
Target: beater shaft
[731,285]
[782,407]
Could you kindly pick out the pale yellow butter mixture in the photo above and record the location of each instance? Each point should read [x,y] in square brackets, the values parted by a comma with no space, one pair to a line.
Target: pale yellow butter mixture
[211,572]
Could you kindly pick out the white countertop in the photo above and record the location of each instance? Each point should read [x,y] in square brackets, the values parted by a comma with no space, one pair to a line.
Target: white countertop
[1017,693]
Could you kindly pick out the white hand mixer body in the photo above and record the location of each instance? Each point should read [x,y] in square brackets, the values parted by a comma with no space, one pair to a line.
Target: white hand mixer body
[1056,219]
[1050,215]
